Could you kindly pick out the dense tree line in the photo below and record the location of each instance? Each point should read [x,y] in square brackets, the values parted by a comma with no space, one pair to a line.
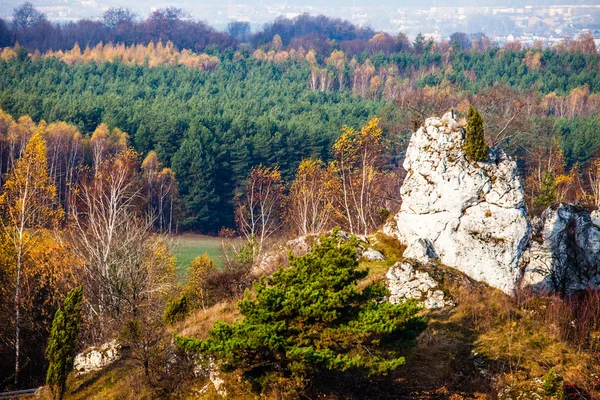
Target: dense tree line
[247,111]
[210,127]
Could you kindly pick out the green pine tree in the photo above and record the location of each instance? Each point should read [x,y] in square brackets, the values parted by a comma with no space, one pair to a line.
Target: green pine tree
[547,195]
[474,146]
[63,342]
[195,168]
[312,318]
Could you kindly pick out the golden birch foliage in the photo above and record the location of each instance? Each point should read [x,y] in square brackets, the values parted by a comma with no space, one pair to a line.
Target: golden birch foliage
[155,55]
[357,168]
[160,262]
[29,198]
[309,202]
[50,268]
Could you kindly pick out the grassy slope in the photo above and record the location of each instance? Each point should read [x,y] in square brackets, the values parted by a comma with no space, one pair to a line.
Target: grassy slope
[488,341]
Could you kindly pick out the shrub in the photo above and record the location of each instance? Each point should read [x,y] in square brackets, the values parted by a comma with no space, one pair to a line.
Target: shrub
[311,318]
[474,146]
[201,273]
[553,385]
[207,285]
[176,309]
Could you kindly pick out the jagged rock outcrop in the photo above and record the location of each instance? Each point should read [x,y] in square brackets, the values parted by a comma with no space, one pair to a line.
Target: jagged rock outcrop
[470,215]
[564,254]
[97,358]
[404,283]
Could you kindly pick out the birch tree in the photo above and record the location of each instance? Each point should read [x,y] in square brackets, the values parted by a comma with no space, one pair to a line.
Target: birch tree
[259,210]
[28,204]
[110,233]
[360,178]
[309,203]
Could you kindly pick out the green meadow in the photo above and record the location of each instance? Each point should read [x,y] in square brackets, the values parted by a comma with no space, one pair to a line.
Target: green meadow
[189,246]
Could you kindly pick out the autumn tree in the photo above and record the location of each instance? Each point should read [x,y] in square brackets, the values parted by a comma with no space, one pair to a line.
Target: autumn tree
[28,204]
[359,177]
[125,264]
[65,157]
[259,209]
[337,60]
[474,146]
[63,342]
[26,16]
[160,186]
[309,203]
[593,174]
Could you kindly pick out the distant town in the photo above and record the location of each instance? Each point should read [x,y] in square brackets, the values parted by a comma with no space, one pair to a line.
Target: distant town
[548,24]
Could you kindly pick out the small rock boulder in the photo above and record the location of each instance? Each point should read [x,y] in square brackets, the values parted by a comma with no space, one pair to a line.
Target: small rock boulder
[372,255]
[97,357]
[404,283]
[421,250]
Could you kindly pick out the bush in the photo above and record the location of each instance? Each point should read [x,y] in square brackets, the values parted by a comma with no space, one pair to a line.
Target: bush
[207,285]
[474,146]
[176,309]
[553,385]
[311,318]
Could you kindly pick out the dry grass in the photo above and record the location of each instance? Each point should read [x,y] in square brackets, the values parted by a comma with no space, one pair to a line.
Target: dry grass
[199,322]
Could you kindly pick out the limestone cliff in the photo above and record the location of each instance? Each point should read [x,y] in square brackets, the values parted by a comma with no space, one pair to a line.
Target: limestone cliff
[469,215]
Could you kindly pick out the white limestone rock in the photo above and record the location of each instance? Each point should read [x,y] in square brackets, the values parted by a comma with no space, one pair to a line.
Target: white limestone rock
[97,358]
[472,213]
[372,255]
[595,216]
[565,255]
[405,283]
[421,250]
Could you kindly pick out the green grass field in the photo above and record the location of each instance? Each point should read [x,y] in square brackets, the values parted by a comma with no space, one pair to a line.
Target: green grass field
[189,246]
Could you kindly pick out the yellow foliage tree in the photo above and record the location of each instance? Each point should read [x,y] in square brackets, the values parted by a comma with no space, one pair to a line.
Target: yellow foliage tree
[309,203]
[28,204]
[198,274]
[357,166]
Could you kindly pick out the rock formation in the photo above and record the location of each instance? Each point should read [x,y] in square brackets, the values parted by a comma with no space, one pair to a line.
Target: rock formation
[97,358]
[404,283]
[469,215]
[564,254]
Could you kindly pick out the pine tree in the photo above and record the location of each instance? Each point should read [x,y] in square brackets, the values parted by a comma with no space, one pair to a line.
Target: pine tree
[547,195]
[195,169]
[475,147]
[312,318]
[63,342]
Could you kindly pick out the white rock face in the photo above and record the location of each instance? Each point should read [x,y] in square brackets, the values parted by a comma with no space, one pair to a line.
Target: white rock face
[566,253]
[421,250]
[471,215]
[405,283]
[97,358]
